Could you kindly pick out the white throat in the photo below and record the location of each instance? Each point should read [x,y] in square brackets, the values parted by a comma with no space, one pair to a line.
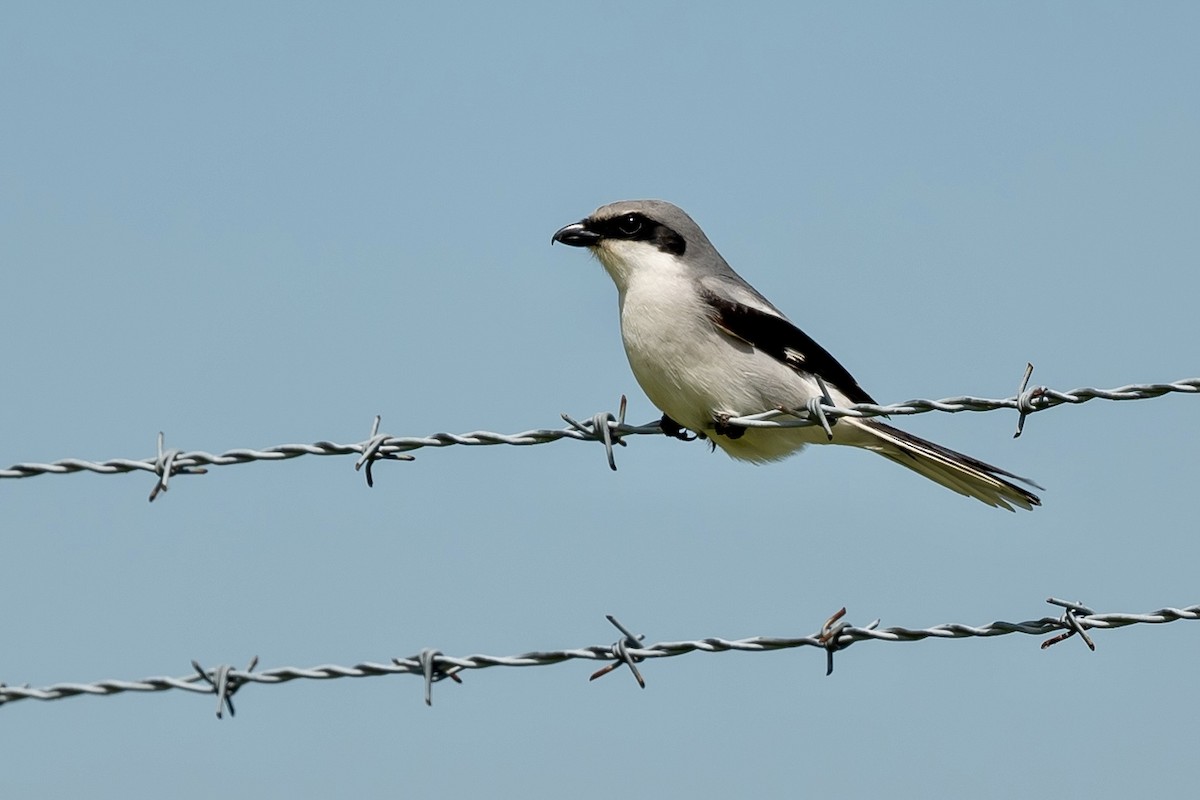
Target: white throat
[632,263]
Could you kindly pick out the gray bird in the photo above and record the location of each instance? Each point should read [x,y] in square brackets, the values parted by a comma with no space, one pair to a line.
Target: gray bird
[706,347]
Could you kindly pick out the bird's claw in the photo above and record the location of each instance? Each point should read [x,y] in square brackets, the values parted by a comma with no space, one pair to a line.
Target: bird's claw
[676,431]
[722,427]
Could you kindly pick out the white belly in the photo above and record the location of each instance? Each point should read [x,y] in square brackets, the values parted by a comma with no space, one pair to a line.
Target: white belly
[694,372]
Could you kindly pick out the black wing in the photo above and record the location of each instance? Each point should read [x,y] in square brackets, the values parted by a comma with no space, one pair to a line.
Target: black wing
[782,340]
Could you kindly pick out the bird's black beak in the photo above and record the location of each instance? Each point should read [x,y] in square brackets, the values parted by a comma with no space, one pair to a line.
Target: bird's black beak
[576,235]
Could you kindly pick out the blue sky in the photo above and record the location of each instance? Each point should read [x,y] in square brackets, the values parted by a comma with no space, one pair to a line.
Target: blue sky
[252,224]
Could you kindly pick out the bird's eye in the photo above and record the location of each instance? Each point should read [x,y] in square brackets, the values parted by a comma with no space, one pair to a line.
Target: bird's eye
[630,224]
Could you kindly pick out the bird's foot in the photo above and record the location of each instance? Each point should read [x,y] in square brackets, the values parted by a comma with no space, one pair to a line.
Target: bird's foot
[722,427]
[676,431]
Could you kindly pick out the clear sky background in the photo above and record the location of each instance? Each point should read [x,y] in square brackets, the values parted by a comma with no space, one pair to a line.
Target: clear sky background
[253,224]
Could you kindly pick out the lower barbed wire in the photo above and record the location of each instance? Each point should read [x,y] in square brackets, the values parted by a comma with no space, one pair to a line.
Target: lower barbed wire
[433,666]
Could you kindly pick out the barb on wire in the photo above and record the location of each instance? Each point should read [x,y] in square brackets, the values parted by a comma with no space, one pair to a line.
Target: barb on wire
[433,666]
[165,467]
[621,655]
[604,427]
[371,452]
[1072,622]
[224,683]
[816,406]
[830,636]
[1026,399]
[432,670]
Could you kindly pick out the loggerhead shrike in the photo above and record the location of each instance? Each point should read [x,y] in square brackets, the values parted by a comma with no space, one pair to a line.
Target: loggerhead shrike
[706,347]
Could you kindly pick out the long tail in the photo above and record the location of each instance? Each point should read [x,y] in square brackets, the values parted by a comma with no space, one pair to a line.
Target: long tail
[956,471]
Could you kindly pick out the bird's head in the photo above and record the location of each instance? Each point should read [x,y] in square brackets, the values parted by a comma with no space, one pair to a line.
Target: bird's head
[632,237]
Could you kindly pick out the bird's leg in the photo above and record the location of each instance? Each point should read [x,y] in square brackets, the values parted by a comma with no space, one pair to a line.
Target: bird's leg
[673,429]
[722,427]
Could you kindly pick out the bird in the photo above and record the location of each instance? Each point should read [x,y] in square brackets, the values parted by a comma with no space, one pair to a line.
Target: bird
[706,348]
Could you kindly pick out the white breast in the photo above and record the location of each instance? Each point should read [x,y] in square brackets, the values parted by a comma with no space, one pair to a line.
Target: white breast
[688,367]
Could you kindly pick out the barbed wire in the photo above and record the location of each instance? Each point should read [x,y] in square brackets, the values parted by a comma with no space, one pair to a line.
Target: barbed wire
[433,666]
[605,427]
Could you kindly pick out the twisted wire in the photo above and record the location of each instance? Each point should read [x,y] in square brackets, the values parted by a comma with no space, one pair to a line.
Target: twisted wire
[604,427]
[434,666]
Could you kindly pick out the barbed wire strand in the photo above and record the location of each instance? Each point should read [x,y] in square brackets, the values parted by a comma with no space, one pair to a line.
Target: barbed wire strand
[433,666]
[604,427]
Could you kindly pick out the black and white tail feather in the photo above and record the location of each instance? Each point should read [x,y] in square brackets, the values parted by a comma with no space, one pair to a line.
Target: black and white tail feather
[962,473]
